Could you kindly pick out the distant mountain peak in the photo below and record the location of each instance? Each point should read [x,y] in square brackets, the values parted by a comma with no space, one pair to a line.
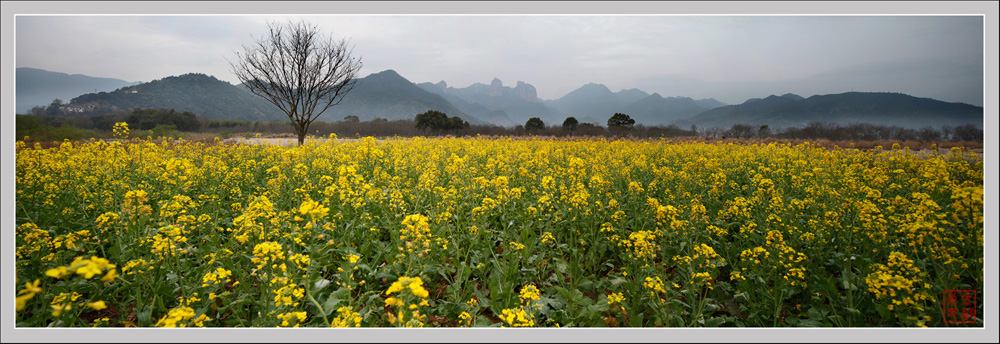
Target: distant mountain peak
[388,73]
[596,86]
[525,91]
[496,88]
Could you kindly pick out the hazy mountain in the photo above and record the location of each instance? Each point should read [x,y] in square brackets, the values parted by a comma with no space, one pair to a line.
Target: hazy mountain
[791,110]
[38,87]
[631,96]
[656,110]
[593,100]
[709,103]
[199,93]
[597,103]
[496,103]
[388,95]
[480,111]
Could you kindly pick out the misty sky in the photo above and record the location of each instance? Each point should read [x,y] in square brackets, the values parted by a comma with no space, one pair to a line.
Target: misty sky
[730,58]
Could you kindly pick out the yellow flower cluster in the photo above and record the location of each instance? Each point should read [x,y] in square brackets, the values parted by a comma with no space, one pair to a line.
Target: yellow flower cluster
[641,244]
[29,291]
[547,237]
[267,253]
[87,268]
[36,239]
[182,317]
[416,234]
[614,298]
[219,276]
[63,302]
[529,292]
[313,209]
[120,130]
[346,317]
[288,318]
[410,296]
[898,280]
[288,295]
[655,285]
[517,317]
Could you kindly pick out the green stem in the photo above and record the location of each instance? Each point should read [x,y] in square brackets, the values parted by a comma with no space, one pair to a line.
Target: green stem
[322,312]
[701,306]
[777,305]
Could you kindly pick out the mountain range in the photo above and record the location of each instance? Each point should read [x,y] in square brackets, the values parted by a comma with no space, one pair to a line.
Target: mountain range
[390,96]
[38,87]
[496,103]
[884,108]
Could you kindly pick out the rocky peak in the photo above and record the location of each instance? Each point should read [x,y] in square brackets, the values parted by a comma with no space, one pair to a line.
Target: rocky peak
[526,91]
[496,88]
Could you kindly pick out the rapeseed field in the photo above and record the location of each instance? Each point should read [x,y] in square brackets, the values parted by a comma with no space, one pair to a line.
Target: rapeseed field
[480,232]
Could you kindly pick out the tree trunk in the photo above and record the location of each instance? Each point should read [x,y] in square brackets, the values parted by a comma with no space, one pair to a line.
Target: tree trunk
[302,136]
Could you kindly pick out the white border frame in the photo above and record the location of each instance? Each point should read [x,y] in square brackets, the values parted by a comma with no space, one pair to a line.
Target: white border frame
[10,9]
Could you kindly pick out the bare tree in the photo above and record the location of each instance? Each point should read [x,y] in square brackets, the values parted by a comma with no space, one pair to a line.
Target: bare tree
[298,70]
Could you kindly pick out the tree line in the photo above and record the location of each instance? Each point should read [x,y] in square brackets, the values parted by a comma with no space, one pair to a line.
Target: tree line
[436,123]
[850,132]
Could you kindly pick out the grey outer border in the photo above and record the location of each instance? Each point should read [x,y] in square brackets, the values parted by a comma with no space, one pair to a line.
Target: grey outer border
[989,11]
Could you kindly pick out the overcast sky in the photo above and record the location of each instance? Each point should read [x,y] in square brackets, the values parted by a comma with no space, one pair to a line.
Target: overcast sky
[729,58]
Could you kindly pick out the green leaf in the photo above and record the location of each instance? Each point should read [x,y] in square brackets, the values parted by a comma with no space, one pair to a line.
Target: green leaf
[385,274]
[549,305]
[815,314]
[810,323]
[483,321]
[636,320]
[319,285]
[854,312]
[715,322]
[334,300]
[144,315]
[679,303]
[482,298]
[597,308]
[563,292]
[617,281]
[431,269]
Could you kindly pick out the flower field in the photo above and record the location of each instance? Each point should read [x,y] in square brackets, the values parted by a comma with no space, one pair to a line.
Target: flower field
[479,232]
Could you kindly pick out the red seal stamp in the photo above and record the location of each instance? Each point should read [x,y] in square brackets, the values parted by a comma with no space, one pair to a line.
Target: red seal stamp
[959,306]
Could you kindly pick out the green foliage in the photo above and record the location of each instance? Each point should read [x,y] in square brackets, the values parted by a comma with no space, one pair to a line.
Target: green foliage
[570,123]
[151,118]
[35,128]
[162,130]
[620,120]
[534,123]
[439,121]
